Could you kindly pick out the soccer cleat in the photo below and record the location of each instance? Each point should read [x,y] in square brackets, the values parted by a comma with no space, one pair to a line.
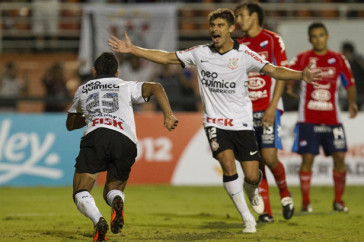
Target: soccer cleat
[265,218]
[250,226]
[288,207]
[307,208]
[255,198]
[340,206]
[100,230]
[117,215]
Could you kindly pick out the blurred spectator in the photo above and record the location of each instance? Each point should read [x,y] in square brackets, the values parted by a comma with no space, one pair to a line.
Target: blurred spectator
[133,68]
[56,91]
[178,85]
[357,67]
[11,87]
[45,22]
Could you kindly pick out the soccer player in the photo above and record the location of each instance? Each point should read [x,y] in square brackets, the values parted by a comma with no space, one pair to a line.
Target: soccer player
[222,68]
[265,93]
[103,105]
[319,122]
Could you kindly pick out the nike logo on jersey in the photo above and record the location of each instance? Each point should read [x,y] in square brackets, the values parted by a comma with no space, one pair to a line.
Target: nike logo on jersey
[202,61]
[253,153]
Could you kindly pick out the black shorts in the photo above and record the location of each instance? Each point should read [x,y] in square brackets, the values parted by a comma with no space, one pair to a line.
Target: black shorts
[106,150]
[242,142]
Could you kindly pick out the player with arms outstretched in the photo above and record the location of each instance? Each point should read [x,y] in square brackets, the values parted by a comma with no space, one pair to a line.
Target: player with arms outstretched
[103,105]
[222,68]
[319,122]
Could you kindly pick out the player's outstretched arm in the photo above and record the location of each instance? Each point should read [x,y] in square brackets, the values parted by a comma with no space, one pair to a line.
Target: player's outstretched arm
[157,56]
[75,121]
[156,89]
[287,74]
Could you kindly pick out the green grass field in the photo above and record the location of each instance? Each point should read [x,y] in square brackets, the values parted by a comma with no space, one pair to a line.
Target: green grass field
[166,213]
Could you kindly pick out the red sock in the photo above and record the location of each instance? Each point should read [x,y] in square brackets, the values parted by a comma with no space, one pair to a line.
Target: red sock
[280,176]
[264,192]
[339,184]
[305,179]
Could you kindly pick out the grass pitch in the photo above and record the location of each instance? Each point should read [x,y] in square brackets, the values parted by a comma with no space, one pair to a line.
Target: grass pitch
[166,213]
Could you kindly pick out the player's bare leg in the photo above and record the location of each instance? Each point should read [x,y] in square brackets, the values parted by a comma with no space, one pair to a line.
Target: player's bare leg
[339,176]
[233,186]
[82,185]
[114,196]
[305,175]
[270,158]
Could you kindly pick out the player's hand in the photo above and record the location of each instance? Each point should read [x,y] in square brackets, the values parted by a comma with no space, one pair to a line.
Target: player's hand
[170,122]
[353,110]
[311,76]
[268,117]
[120,46]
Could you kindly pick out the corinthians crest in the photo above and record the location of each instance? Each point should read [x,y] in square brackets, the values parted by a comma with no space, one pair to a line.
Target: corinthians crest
[214,145]
[233,63]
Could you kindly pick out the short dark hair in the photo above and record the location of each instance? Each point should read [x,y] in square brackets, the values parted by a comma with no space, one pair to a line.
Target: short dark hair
[316,25]
[348,46]
[223,13]
[253,7]
[106,64]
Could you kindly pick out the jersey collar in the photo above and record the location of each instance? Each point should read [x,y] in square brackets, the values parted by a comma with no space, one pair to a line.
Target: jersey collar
[235,47]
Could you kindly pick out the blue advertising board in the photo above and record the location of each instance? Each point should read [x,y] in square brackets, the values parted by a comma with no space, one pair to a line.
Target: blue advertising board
[37,150]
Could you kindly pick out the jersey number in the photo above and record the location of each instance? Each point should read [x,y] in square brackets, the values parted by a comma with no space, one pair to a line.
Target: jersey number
[109,102]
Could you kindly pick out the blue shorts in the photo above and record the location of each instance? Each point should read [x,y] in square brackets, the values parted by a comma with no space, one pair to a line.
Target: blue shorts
[267,137]
[309,137]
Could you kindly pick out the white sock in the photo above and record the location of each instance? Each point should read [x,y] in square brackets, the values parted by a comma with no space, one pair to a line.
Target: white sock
[235,190]
[111,195]
[87,206]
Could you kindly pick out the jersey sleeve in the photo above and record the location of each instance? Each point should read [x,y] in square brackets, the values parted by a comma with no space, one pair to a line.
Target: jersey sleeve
[136,91]
[187,56]
[76,105]
[279,51]
[254,62]
[346,76]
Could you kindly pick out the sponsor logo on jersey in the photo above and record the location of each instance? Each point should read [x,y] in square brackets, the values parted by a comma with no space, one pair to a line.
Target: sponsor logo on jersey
[107,121]
[233,63]
[256,83]
[319,105]
[321,95]
[221,121]
[90,86]
[209,79]
[187,50]
[254,56]
[263,44]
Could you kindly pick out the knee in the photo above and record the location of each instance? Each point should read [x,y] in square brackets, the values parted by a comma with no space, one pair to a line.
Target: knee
[253,177]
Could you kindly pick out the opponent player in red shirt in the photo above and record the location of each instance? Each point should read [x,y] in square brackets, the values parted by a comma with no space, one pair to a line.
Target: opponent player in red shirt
[265,93]
[319,121]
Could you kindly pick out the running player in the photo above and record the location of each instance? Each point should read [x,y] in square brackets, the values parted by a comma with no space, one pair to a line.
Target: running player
[222,73]
[265,93]
[103,105]
[319,122]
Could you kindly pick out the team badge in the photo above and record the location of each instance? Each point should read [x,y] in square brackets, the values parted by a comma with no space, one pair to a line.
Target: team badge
[233,63]
[214,145]
[264,43]
[331,61]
